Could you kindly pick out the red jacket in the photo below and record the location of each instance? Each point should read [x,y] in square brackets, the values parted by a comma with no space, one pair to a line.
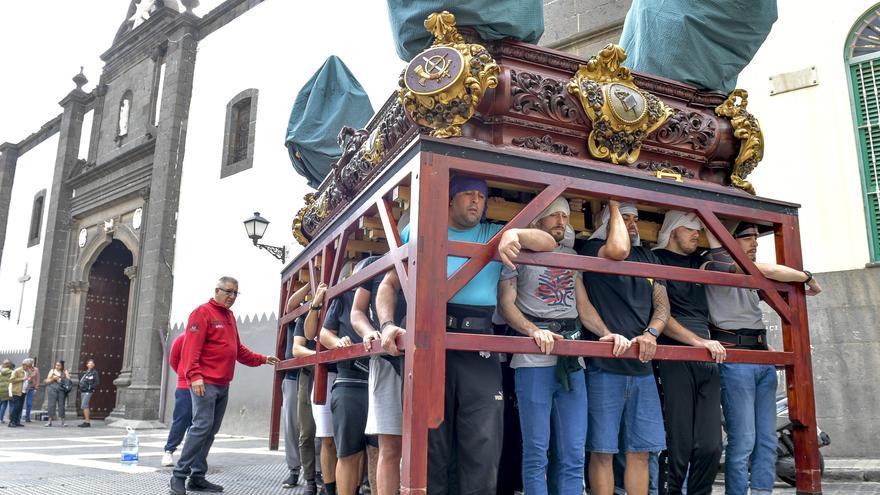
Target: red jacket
[174,360]
[211,346]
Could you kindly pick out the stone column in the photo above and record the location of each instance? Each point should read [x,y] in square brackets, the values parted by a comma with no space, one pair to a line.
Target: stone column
[47,316]
[155,277]
[8,161]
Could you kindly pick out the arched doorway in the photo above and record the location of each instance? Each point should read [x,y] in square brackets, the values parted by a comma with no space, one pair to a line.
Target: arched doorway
[104,322]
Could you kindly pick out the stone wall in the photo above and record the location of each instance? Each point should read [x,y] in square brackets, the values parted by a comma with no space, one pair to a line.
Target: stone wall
[846,356]
[583,27]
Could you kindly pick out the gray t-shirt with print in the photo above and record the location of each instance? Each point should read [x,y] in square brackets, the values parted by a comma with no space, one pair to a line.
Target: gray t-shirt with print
[543,292]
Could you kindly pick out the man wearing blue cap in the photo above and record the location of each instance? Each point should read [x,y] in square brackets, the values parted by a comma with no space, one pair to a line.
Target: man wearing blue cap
[472,429]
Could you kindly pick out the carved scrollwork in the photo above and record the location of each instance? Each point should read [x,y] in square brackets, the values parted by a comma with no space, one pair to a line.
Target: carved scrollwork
[542,95]
[544,143]
[691,128]
[748,131]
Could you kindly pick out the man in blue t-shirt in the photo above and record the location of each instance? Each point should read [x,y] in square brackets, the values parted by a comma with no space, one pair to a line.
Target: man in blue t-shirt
[471,431]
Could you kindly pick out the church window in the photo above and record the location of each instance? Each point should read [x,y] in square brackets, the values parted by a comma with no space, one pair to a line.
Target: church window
[240,129]
[124,114]
[863,65]
[36,219]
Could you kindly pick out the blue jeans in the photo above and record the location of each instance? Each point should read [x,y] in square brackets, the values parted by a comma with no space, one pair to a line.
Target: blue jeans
[630,403]
[208,411]
[28,401]
[544,406]
[3,405]
[748,397]
[182,418]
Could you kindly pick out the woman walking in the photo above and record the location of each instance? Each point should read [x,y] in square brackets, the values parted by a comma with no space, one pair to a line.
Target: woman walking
[87,384]
[57,386]
[5,396]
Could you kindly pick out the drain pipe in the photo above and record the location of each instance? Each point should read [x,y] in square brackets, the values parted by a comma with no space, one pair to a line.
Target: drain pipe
[163,339]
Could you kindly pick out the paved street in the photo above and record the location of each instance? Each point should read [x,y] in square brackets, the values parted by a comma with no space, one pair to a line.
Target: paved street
[74,461]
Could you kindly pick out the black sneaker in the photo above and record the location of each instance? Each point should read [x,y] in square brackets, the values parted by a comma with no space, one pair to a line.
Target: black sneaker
[84,425]
[291,481]
[203,485]
[177,486]
[311,488]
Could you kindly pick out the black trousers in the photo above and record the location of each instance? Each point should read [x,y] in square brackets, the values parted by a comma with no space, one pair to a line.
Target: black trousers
[15,409]
[692,412]
[463,453]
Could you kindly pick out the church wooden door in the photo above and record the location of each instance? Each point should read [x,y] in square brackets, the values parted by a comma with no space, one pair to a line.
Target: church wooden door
[106,313]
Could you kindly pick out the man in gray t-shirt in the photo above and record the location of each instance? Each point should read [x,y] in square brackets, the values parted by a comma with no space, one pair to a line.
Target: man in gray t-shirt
[550,304]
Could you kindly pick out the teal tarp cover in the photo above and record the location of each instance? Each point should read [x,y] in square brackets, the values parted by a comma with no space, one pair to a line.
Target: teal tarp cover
[332,98]
[706,43]
[493,19]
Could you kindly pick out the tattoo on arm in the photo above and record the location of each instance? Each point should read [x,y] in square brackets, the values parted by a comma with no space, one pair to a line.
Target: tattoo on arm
[661,304]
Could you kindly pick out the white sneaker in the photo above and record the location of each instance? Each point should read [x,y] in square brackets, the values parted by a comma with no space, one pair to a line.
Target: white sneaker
[167,459]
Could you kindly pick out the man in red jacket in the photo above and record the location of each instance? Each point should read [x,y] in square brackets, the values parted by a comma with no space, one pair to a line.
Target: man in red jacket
[210,349]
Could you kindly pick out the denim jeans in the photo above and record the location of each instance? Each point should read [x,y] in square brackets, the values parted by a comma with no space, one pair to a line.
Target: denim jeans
[208,411]
[181,420]
[748,397]
[29,400]
[545,405]
[3,405]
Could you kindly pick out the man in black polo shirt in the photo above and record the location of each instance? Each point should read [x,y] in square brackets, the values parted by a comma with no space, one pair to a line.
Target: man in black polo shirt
[621,392]
[692,390]
[348,397]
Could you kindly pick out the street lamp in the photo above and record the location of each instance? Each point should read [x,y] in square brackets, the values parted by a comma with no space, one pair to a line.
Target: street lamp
[256,227]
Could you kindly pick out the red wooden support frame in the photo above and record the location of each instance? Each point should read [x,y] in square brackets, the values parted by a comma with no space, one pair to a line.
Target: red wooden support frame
[421,267]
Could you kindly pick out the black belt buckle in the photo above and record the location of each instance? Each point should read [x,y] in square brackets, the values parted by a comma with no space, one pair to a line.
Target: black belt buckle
[451,321]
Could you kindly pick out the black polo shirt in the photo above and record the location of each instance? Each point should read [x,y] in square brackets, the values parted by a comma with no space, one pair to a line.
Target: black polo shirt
[687,300]
[625,304]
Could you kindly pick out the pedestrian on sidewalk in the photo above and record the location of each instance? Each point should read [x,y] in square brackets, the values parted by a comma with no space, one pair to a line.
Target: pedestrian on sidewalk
[57,386]
[210,349]
[17,389]
[88,383]
[33,385]
[5,395]
[182,415]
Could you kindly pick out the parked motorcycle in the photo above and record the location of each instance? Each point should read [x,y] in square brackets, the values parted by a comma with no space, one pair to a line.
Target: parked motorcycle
[785,443]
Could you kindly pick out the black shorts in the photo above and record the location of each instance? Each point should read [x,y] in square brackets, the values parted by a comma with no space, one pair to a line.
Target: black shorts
[349,403]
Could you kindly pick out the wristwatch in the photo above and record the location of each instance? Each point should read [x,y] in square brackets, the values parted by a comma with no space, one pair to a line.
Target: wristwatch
[653,331]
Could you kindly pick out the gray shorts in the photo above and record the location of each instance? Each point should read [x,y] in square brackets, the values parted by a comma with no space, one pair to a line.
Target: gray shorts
[86,398]
[385,412]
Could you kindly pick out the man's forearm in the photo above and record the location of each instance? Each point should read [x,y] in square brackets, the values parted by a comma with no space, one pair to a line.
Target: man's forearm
[661,308]
[535,240]
[591,320]
[516,319]
[781,273]
[310,325]
[678,332]
[386,302]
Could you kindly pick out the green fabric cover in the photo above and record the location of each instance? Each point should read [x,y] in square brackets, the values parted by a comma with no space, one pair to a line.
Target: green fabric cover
[706,43]
[332,98]
[493,19]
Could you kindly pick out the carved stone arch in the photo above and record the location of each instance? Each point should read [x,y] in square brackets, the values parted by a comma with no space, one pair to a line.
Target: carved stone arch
[96,245]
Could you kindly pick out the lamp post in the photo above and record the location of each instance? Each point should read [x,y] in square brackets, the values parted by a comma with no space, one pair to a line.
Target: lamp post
[256,227]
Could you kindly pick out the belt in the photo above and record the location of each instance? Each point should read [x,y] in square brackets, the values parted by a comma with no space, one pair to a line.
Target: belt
[745,338]
[468,323]
[555,326]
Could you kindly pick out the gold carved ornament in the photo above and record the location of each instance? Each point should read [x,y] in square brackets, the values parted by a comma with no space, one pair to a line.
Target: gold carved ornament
[622,114]
[315,208]
[441,87]
[748,131]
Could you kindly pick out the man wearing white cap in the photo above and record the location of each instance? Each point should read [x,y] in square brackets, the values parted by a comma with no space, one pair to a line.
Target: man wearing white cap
[622,395]
[550,304]
[692,390]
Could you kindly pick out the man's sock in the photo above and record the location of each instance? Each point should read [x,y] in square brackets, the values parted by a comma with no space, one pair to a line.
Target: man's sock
[330,488]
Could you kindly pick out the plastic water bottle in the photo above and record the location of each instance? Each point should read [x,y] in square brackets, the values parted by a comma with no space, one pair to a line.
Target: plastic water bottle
[130,448]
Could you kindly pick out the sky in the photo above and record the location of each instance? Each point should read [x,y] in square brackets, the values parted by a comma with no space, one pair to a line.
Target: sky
[45,42]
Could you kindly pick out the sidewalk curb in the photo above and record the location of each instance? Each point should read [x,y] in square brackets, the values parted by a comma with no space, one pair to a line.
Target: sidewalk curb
[852,474]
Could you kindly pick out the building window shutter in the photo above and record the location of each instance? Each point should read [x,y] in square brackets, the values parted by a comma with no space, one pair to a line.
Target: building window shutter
[36,226]
[865,77]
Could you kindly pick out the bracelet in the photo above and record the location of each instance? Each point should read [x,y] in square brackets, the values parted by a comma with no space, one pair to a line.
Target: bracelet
[389,322]
[809,276]
[312,307]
